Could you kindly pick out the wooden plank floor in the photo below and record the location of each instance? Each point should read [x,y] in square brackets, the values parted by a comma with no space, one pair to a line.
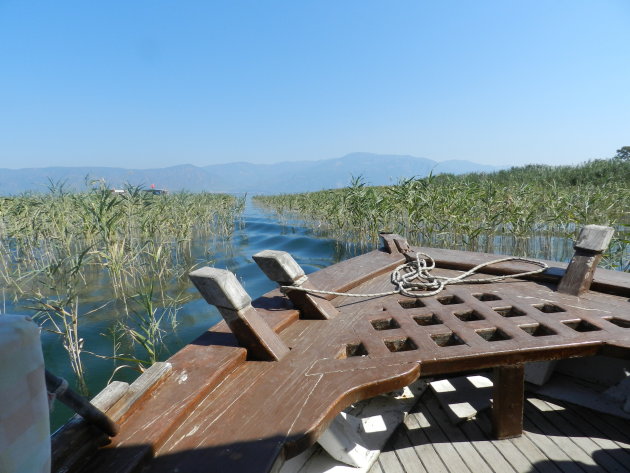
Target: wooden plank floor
[559,437]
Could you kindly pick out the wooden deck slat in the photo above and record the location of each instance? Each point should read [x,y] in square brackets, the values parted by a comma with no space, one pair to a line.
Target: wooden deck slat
[582,438]
[558,437]
[618,427]
[602,424]
[389,463]
[416,434]
[566,444]
[460,442]
[408,457]
[376,468]
[549,448]
[525,447]
[495,456]
[443,447]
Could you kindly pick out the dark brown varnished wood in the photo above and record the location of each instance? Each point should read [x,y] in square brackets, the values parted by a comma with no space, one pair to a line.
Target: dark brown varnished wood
[229,414]
[507,401]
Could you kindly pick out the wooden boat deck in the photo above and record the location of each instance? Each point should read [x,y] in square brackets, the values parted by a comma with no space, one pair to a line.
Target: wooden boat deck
[224,408]
[558,437]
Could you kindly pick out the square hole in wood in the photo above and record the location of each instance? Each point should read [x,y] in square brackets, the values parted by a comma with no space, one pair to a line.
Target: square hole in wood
[352,349]
[580,325]
[400,344]
[623,323]
[492,334]
[509,311]
[468,316]
[430,319]
[537,330]
[411,303]
[486,296]
[447,339]
[548,308]
[449,300]
[384,324]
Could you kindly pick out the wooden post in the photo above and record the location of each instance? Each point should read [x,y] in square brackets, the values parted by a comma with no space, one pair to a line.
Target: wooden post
[76,440]
[393,243]
[507,401]
[79,404]
[220,287]
[593,240]
[279,266]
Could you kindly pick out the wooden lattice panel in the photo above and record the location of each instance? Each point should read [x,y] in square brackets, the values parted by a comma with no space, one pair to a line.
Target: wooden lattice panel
[524,321]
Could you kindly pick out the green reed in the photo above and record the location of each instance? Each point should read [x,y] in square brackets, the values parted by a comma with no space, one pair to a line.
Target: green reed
[61,247]
[529,211]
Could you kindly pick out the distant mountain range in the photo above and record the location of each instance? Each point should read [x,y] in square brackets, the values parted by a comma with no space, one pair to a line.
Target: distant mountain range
[286,177]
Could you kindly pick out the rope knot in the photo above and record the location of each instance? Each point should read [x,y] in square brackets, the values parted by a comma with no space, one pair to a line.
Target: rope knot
[296,284]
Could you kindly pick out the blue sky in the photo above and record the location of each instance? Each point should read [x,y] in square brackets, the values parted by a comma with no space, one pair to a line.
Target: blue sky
[156,83]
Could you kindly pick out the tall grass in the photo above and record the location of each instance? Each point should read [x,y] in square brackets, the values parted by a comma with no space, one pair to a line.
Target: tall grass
[61,252]
[529,211]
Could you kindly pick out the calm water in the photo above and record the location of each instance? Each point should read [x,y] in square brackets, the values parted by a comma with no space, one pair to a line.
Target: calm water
[257,230]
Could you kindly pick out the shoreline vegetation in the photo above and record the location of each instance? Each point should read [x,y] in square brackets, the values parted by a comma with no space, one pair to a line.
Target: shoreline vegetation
[534,211]
[66,256]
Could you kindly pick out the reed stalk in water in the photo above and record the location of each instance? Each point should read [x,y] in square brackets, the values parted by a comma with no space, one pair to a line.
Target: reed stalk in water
[66,252]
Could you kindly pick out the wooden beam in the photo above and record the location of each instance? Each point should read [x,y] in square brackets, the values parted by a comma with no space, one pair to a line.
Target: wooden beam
[80,404]
[280,267]
[220,288]
[593,240]
[507,401]
[140,389]
[76,440]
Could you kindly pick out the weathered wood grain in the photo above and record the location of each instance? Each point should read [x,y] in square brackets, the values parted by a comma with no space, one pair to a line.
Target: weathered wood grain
[139,389]
[393,243]
[220,287]
[595,238]
[592,241]
[280,267]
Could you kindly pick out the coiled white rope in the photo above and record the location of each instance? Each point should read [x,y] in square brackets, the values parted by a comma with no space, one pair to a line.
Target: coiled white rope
[413,279]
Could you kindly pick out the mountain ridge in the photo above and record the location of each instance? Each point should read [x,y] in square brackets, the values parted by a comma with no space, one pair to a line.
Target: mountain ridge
[282,177]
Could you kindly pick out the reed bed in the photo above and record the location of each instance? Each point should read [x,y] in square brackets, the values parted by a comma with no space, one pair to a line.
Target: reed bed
[67,255]
[533,211]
